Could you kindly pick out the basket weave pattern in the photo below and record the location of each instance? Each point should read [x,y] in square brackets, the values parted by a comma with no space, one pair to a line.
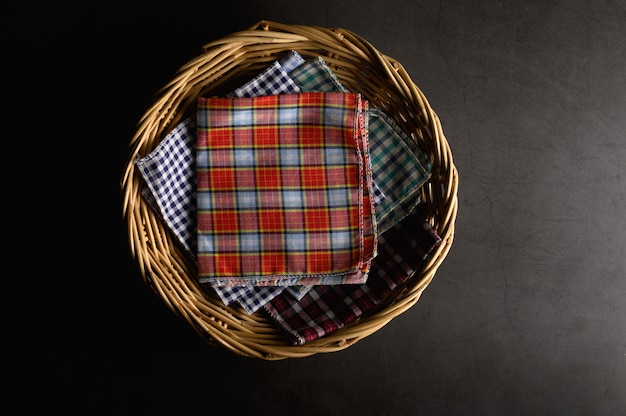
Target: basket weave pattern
[222,66]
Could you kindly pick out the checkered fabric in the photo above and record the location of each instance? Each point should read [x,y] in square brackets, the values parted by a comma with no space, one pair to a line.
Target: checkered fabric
[325,309]
[399,169]
[251,298]
[315,75]
[280,194]
[299,291]
[273,80]
[290,61]
[173,196]
[169,174]
[308,76]
[169,170]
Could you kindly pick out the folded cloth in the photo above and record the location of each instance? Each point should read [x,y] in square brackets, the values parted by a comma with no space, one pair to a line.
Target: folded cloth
[251,298]
[282,194]
[325,309]
[273,80]
[307,76]
[176,154]
[399,167]
[177,151]
[169,170]
[170,178]
[169,173]
[315,75]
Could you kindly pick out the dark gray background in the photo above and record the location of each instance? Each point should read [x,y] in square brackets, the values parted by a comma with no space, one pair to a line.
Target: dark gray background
[527,314]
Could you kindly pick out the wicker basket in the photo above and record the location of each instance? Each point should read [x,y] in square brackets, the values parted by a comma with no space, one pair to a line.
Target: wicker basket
[224,65]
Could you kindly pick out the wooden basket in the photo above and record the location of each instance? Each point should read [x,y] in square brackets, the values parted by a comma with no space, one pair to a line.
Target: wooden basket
[224,65]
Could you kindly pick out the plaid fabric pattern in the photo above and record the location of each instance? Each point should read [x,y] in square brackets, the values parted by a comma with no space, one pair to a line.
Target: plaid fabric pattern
[172,195]
[290,61]
[274,80]
[325,309]
[316,76]
[169,170]
[177,152]
[250,298]
[169,174]
[399,169]
[298,291]
[280,190]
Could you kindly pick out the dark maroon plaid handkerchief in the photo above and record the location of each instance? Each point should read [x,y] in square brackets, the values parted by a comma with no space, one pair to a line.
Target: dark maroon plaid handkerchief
[325,308]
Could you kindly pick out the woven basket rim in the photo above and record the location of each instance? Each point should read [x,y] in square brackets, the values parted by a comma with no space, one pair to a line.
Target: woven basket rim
[224,63]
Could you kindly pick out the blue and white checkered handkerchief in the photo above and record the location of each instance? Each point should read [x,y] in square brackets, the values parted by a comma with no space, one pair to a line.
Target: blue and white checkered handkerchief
[169,170]
[175,196]
[169,173]
[274,80]
[251,298]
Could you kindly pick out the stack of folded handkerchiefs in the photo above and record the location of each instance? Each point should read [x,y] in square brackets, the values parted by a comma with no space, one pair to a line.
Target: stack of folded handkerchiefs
[296,197]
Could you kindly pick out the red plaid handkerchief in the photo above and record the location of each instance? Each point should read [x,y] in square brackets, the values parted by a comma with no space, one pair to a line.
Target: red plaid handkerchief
[325,309]
[283,192]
